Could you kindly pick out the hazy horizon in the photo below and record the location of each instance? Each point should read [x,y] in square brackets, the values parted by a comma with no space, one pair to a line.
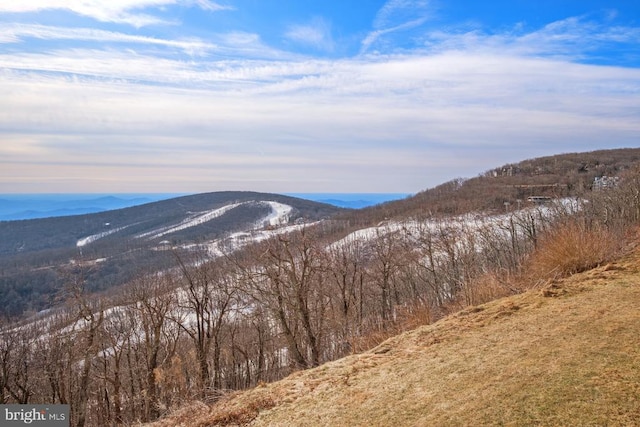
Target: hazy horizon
[15,207]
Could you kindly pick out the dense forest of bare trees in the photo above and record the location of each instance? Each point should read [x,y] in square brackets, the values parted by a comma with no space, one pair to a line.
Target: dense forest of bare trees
[207,326]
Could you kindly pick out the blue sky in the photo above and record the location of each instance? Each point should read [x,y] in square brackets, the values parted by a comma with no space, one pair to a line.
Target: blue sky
[301,96]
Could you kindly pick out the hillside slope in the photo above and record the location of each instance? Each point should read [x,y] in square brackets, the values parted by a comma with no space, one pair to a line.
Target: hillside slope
[113,247]
[509,186]
[568,354]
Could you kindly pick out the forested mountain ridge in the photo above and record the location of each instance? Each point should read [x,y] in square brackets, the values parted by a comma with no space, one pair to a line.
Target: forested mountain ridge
[48,233]
[509,186]
[118,244]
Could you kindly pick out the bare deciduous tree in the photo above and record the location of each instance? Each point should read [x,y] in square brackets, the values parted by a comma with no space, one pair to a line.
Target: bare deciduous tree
[209,299]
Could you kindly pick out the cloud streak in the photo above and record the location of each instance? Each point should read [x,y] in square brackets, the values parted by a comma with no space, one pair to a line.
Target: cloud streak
[570,39]
[395,16]
[117,11]
[316,34]
[18,33]
[346,115]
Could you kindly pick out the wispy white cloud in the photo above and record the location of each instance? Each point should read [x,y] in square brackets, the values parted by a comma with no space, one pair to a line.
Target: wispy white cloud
[230,75]
[212,6]
[242,44]
[374,35]
[572,38]
[399,10]
[15,33]
[118,11]
[316,34]
[394,16]
[264,123]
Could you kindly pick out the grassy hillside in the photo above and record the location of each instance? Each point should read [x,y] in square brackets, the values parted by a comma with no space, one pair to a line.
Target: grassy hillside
[565,354]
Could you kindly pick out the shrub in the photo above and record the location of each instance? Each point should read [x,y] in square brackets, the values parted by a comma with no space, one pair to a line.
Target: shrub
[570,248]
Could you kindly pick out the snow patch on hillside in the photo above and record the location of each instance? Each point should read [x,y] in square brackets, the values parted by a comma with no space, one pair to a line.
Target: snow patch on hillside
[235,241]
[192,221]
[280,214]
[273,224]
[90,239]
[471,224]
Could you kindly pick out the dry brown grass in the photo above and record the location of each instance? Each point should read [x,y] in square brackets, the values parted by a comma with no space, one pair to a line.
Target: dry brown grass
[406,318]
[571,248]
[231,410]
[488,287]
[566,355]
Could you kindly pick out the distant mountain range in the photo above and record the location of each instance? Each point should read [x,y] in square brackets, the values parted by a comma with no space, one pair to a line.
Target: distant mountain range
[35,206]
[351,200]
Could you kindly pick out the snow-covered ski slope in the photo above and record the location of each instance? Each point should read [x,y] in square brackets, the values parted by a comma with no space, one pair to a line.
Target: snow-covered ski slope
[192,221]
[90,239]
[279,215]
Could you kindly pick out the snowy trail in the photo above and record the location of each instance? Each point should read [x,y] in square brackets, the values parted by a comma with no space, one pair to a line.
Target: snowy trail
[90,239]
[189,222]
[239,239]
[272,224]
[279,215]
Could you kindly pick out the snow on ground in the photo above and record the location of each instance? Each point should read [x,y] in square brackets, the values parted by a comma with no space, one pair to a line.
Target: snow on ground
[235,241]
[470,222]
[279,214]
[266,227]
[272,224]
[90,239]
[192,221]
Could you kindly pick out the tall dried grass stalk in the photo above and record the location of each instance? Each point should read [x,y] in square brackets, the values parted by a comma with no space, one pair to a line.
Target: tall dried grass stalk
[571,248]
